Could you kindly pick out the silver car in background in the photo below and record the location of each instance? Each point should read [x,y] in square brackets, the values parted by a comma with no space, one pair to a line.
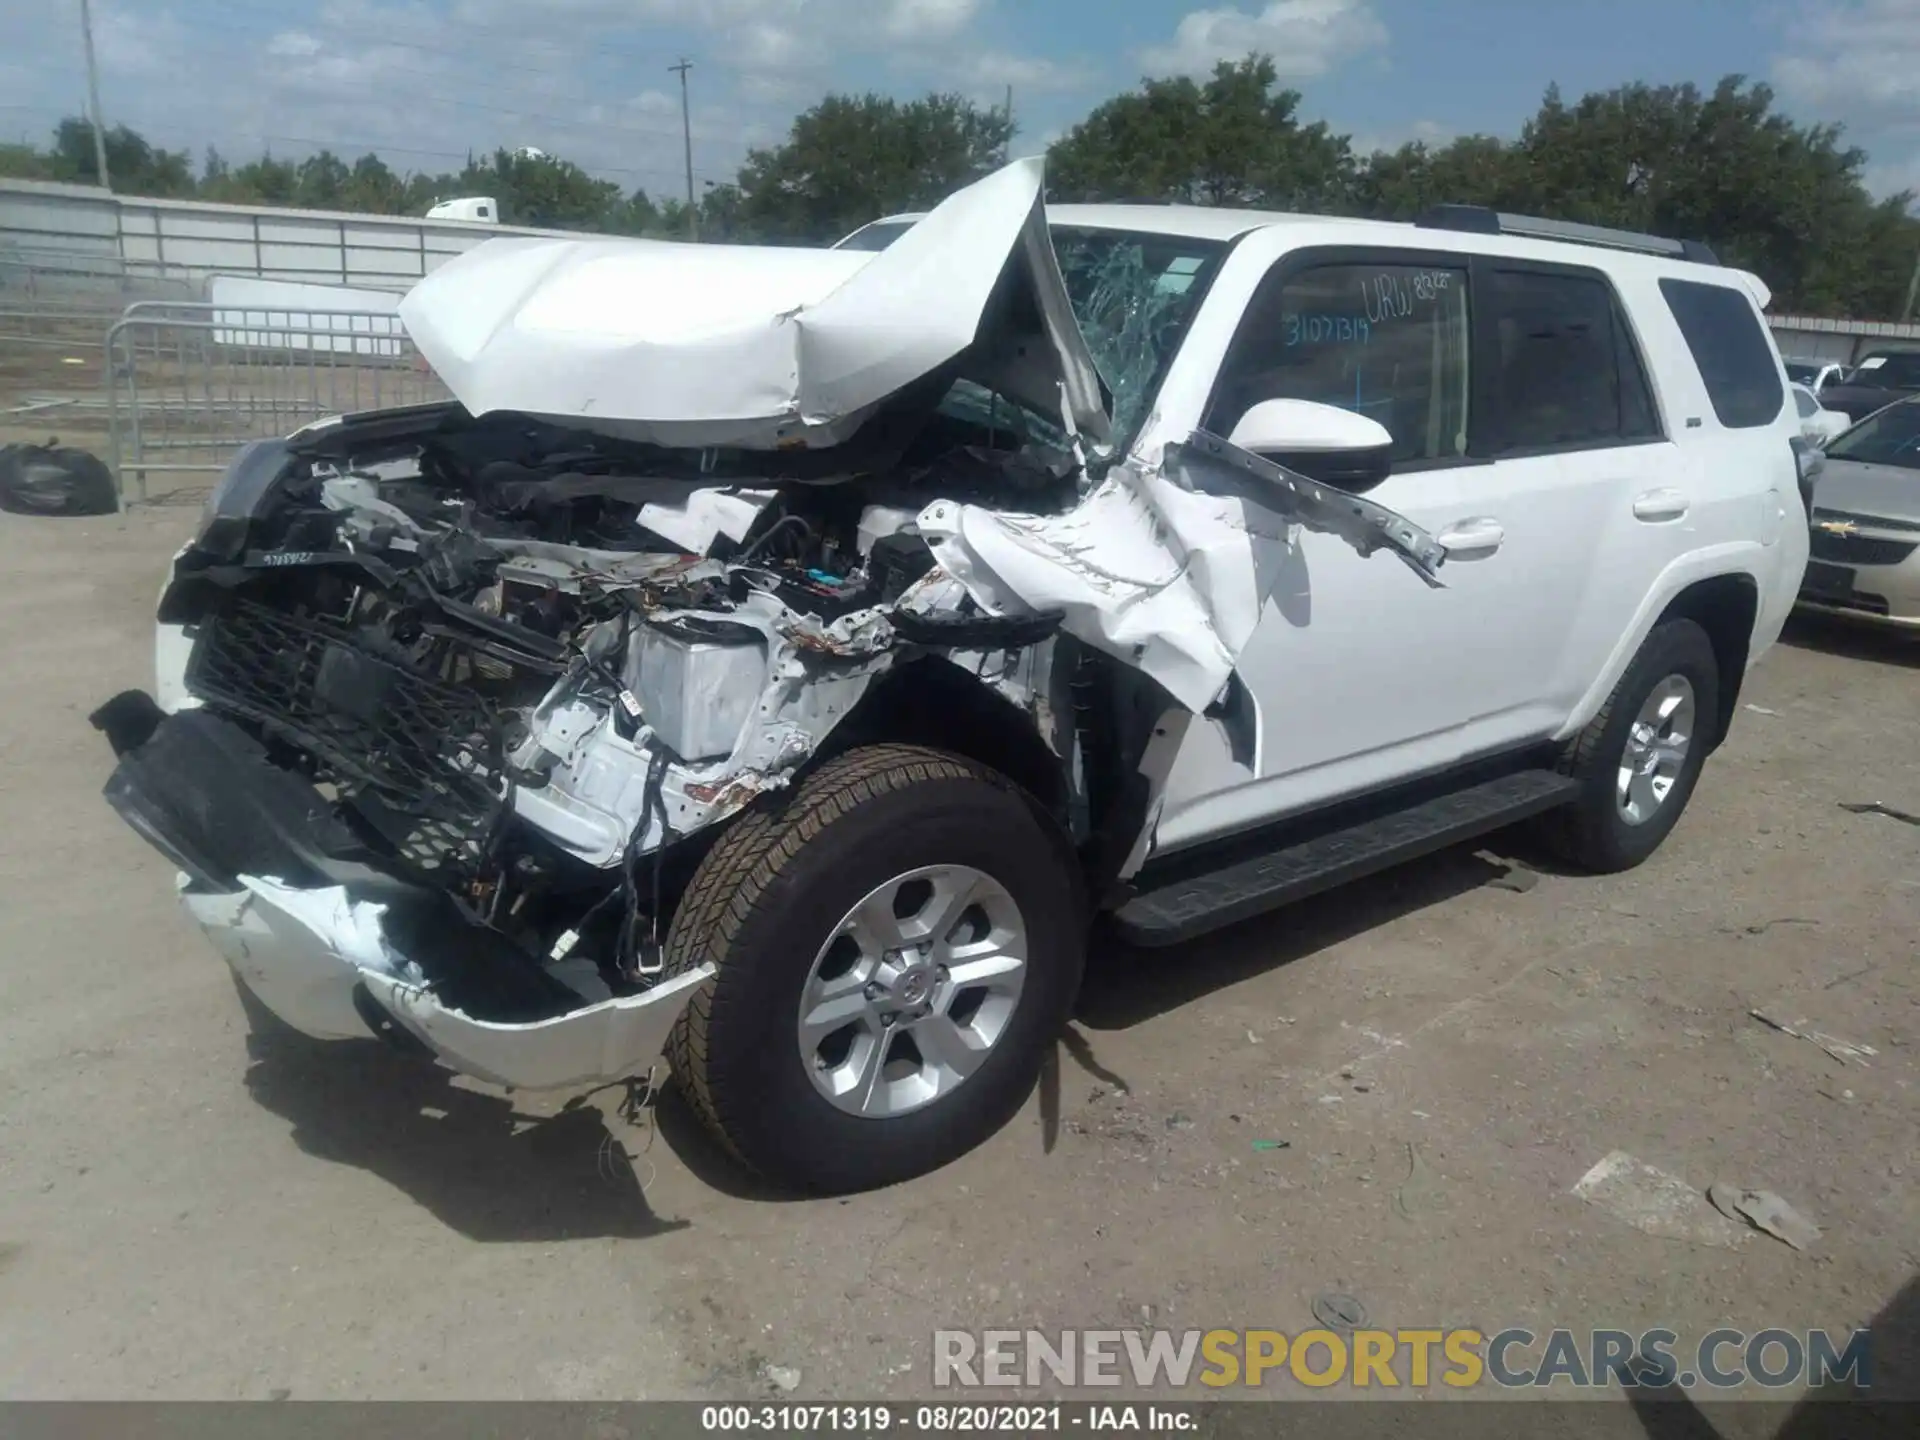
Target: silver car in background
[1865,546]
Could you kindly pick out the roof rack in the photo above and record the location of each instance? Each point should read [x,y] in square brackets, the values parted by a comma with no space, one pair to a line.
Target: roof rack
[1480,220]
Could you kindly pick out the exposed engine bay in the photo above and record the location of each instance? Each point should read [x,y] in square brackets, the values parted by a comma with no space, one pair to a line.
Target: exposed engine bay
[524,662]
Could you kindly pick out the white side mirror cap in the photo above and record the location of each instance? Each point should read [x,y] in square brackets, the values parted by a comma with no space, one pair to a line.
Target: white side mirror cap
[1306,427]
[1323,442]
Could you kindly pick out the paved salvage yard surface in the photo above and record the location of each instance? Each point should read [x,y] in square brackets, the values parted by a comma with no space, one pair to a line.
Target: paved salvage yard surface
[185,1211]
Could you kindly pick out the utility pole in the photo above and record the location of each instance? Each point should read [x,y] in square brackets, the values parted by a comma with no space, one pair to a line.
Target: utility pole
[686,135]
[93,98]
[1006,150]
[1913,291]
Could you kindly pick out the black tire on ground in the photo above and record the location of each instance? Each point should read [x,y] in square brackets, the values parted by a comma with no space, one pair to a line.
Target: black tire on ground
[768,898]
[1592,832]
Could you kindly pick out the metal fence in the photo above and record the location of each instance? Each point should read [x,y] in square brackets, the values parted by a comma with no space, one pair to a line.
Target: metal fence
[187,384]
[55,311]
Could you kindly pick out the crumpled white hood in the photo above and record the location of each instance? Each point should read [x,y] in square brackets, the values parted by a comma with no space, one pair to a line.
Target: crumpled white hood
[733,345]
[1165,564]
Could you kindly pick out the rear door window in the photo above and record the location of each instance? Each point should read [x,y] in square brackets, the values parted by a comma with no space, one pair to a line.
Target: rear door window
[1735,357]
[1566,374]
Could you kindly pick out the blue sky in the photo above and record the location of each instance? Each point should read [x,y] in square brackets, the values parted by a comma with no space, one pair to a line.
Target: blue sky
[424,80]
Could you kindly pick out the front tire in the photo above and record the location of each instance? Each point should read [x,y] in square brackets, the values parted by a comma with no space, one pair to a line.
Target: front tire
[897,944]
[1638,760]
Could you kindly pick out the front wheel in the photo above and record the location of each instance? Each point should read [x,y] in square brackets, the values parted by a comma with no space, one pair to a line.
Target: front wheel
[1638,759]
[897,945]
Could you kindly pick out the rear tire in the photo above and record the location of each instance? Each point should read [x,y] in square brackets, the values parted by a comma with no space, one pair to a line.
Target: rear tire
[1639,758]
[784,906]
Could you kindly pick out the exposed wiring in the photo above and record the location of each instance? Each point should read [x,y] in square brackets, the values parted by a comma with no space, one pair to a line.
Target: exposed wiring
[626,953]
[781,524]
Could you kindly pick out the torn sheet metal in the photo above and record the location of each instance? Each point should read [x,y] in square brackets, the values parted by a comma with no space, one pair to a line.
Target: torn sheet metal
[732,345]
[608,1041]
[299,951]
[704,516]
[1365,526]
[1164,567]
[303,952]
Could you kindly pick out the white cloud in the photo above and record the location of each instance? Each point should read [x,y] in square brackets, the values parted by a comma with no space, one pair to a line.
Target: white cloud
[929,19]
[766,45]
[139,42]
[1855,61]
[987,73]
[1305,37]
[1028,74]
[293,42]
[426,82]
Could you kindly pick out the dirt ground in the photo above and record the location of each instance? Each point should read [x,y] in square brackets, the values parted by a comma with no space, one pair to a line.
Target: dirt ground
[188,1212]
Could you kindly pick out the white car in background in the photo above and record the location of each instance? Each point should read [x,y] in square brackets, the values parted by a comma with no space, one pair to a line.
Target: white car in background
[1816,375]
[1817,423]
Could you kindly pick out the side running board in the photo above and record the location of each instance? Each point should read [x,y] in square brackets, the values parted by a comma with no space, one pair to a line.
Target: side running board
[1178,909]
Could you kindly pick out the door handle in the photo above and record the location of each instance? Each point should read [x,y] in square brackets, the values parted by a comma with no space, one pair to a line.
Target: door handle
[1656,506]
[1468,538]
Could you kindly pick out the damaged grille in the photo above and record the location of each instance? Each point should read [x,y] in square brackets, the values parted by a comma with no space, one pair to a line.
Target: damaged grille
[415,755]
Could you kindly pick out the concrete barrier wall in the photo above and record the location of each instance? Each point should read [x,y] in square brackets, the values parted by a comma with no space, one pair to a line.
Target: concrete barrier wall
[53,229]
[1802,337]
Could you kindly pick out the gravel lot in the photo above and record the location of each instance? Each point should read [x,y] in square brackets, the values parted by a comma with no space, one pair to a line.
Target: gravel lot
[186,1211]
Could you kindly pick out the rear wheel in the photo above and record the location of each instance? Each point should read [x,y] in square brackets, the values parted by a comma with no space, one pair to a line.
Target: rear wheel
[896,947]
[1638,760]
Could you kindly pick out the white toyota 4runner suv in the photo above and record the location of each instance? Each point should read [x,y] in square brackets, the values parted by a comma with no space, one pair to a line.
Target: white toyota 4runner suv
[779,658]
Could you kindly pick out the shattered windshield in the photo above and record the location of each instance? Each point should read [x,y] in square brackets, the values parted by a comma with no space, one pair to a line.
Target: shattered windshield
[1133,295]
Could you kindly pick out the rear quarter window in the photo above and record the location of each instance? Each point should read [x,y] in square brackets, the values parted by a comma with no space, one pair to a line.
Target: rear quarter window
[1731,349]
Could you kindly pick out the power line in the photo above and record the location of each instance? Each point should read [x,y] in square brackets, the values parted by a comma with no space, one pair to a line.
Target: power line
[686,129]
[93,98]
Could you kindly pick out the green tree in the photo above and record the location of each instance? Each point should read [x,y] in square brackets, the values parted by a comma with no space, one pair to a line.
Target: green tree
[1235,139]
[23,162]
[371,186]
[1473,170]
[133,165]
[1778,198]
[266,181]
[1781,199]
[320,182]
[720,217]
[853,158]
[541,190]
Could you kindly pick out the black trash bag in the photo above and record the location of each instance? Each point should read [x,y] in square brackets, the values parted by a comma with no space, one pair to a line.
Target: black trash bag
[55,479]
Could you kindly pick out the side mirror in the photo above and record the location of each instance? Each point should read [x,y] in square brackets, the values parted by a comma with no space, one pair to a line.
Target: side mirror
[1323,442]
